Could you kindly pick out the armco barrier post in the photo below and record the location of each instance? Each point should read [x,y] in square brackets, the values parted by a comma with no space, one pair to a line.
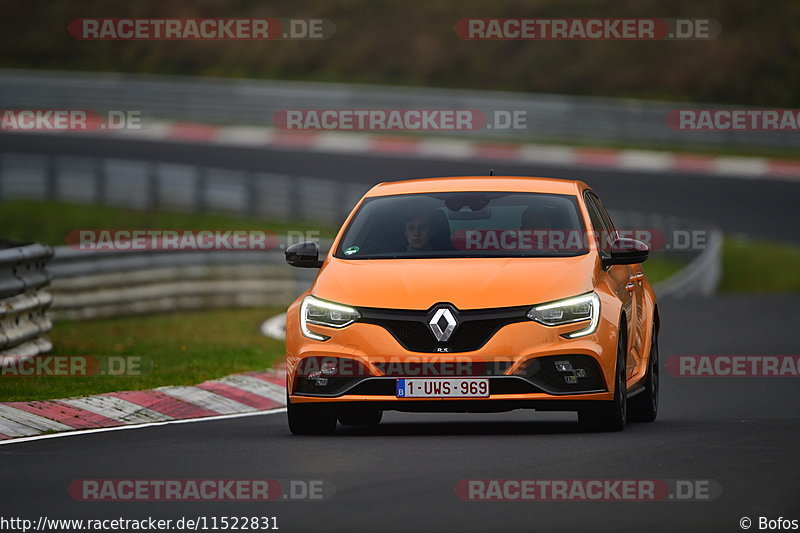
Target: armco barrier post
[24,322]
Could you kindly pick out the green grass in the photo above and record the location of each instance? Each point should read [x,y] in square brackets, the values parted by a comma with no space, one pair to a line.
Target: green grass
[658,268]
[748,265]
[182,348]
[758,266]
[49,222]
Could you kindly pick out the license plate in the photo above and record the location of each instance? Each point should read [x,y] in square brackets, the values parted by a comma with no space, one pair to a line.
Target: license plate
[442,388]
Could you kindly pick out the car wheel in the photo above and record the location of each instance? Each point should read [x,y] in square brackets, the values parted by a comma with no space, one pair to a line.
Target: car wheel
[363,416]
[310,419]
[644,406]
[610,415]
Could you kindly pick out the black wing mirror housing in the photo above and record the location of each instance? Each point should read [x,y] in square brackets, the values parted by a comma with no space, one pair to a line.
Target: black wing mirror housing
[303,255]
[627,252]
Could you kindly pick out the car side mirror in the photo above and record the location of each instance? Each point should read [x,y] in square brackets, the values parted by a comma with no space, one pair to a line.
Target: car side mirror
[627,252]
[303,255]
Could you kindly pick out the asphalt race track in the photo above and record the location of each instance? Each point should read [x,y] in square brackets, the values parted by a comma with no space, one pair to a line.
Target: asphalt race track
[742,433]
[760,208]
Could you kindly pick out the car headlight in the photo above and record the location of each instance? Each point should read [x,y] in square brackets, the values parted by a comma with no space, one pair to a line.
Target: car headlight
[575,309]
[322,313]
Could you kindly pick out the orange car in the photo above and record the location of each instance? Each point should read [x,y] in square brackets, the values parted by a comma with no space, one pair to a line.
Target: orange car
[473,294]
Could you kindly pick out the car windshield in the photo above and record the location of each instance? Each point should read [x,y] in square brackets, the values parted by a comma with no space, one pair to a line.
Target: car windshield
[464,224]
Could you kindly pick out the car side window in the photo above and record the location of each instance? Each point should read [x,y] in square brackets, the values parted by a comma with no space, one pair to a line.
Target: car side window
[604,214]
[602,230]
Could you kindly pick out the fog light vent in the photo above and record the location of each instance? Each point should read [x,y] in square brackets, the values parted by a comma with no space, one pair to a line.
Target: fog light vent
[563,366]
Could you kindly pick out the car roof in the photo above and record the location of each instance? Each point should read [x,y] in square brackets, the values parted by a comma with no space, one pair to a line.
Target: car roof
[479,183]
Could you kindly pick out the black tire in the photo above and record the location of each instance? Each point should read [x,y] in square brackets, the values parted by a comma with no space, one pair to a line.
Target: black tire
[311,419]
[362,416]
[644,406]
[610,415]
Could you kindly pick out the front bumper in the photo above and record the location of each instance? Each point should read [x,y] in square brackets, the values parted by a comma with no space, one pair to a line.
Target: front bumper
[496,404]
[526,378]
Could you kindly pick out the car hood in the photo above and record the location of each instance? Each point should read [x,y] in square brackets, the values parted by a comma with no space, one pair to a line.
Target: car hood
[472,283]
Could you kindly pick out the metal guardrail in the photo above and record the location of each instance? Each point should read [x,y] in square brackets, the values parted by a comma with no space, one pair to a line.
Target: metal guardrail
[239,101]
[22,267]
[151,185]
[702,270]
[700,277]
[24,323]
[97,284]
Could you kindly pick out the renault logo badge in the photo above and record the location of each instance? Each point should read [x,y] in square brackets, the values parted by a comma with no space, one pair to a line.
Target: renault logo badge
[442,324]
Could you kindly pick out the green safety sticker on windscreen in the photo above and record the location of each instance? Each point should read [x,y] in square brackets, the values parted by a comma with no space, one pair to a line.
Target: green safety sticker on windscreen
[351,250]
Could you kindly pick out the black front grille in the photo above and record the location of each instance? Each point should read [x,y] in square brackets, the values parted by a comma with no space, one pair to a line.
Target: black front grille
[512,385]
[474,327]
[375,387]
[444,369]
